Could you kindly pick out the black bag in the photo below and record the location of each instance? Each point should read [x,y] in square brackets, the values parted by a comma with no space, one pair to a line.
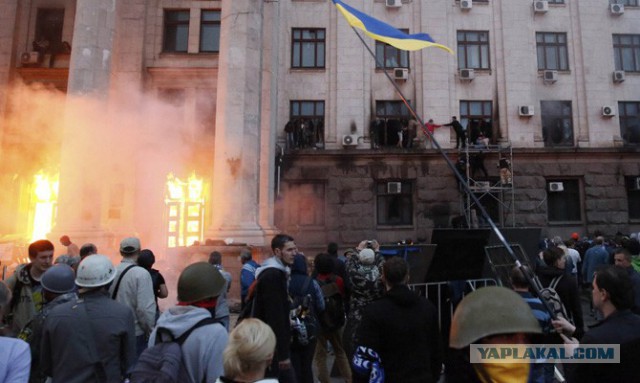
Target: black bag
[304,327]
[333,316]
[163,362]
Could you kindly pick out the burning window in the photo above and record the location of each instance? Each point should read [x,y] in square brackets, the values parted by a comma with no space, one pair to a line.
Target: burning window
[45,197]
[185,210]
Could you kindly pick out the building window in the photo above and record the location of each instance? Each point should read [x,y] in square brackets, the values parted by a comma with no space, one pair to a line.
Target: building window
[307,48]
[477,117]
[210,31]
[305,128]
[49,23]
[632,185]
[556,1]
[557,123]
[630,122]
[626,50]
[564,201]
[395,203]
[473,49]
[552,51]
[176,31]
[631,3]
[387,128]
[391,57]
[306,204]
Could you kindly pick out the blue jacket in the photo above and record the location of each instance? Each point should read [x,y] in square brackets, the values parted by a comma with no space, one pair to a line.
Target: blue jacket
[594,257]
[247,276]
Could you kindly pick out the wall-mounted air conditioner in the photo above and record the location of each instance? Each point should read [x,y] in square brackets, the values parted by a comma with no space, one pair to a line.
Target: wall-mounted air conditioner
[618,76]
[483,185]
[466,4]
[556,186]
[540,6]
[616,9]
[401,74]
[526,111]
[29,57]
[467,74]
[550,76]
[393,3]
[349,140]
[608,111]
[394,187]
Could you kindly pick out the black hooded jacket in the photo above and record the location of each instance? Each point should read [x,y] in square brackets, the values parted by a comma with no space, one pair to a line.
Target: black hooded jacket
[567,289]
[403,329]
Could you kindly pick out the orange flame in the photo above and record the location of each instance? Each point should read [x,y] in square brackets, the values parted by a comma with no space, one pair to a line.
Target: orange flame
[45,191]
[185,210]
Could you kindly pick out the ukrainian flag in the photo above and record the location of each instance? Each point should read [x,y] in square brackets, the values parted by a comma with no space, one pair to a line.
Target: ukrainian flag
[380,31]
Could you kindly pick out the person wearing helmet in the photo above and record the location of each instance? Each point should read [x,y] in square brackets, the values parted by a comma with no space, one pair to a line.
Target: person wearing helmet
[58,286]
[93,338]
[199,286]
[489,315]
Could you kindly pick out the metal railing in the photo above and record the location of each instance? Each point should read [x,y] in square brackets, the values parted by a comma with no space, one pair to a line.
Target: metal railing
[446,295]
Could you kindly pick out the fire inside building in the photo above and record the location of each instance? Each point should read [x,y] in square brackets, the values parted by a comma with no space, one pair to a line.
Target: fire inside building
[184,122]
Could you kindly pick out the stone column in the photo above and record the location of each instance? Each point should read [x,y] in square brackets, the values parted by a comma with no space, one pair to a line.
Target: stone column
[81,164]
[241,159]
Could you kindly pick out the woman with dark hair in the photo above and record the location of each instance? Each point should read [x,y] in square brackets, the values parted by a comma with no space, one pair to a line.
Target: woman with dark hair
[146,259]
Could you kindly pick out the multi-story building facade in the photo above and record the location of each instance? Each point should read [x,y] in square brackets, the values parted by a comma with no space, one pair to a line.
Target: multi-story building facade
[292,124]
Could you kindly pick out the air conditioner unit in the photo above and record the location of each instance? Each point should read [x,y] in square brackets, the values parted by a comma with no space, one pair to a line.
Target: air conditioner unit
[540,6]
[618,76]
[550,76]
[349,140]
[616,9]
[393,3]
[608,111]
[526,110]
[556,186]
[29,57]
[466,4]
[467,74]
[394,187]
[401,73]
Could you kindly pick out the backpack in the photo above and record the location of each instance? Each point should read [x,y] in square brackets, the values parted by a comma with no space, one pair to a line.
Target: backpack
[550,295]
[163,362]
[333,316]
[304,327]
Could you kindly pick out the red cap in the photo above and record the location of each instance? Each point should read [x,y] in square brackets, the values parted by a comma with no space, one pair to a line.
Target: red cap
[575,236]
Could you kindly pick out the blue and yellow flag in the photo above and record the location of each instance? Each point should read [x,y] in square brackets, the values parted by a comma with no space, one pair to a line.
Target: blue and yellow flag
[380,31]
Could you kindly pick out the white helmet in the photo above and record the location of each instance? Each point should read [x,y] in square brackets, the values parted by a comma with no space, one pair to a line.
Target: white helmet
[95,271]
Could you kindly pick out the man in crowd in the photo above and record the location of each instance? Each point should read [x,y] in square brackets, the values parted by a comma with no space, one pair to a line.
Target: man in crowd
[72,248]
[222,306]
[25,285]
[612,295]
[133,287]
[622,258]
[593,258]
[489,315]
[402,328]
[58,286]
[199,286]
[247,274]
[91,339]
[88,249]
[272,302]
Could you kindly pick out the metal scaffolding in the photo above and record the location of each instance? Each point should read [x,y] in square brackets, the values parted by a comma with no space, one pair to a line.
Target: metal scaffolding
[496,193]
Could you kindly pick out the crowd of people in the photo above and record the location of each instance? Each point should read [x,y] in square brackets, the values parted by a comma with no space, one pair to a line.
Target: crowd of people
[84,319]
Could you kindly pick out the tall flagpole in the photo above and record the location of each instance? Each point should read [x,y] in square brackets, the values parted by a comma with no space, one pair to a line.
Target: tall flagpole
[461,180]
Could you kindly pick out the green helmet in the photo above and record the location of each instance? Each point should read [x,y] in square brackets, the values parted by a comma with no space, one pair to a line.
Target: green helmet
[491,311]
[199,281]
